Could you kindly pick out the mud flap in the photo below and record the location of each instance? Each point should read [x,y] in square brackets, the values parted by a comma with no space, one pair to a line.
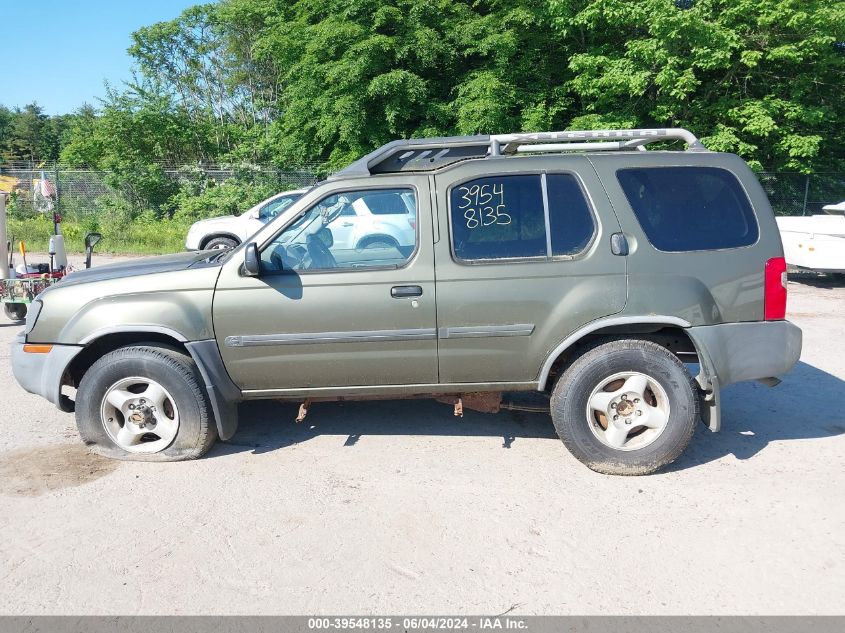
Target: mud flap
[711,412]
[222,392]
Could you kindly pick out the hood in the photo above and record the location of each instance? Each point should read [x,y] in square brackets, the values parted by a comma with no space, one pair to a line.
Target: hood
[144,266]
[222,219]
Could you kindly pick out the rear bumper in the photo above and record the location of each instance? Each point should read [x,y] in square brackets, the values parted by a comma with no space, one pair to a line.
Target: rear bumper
[733,352]
[41,374]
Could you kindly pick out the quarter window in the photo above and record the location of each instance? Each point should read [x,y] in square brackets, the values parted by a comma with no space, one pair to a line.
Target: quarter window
[690,208]
[518,217]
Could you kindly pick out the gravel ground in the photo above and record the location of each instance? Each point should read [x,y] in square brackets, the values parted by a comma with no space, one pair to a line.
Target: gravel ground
[399,507]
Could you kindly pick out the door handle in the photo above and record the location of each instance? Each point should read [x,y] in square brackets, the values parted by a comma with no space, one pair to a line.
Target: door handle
[399,292]
[348,224]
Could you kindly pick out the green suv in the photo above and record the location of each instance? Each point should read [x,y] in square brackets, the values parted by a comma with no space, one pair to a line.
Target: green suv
[629,285]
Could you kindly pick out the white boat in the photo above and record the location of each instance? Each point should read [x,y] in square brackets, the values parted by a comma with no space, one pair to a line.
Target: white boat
[815,242]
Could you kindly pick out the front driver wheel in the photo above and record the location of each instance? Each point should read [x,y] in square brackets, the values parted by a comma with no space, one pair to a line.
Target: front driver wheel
[145,403]
[626,407]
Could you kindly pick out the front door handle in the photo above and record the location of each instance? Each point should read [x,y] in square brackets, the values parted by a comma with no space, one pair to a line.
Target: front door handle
[399,292]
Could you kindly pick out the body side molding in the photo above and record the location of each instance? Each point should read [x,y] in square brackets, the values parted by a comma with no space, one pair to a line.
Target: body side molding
[352,336]
[481,331]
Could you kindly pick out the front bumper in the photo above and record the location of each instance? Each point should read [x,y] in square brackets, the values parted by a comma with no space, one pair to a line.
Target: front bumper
[42,374]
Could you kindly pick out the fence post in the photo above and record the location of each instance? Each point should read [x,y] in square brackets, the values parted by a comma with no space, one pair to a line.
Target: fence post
[57,187]
[806,193]
[5,273]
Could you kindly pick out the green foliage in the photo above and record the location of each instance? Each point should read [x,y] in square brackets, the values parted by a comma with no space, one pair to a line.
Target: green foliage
[325,81]
[231,197]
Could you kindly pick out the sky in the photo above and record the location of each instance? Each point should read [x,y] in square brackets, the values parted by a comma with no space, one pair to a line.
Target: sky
[59,52]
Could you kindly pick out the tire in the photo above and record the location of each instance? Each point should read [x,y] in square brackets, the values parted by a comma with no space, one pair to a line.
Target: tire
[174,425]
[607,378]
[378,242]
[220,242]
[15,311]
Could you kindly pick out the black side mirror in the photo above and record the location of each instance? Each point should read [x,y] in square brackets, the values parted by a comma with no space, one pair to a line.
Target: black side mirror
[252,262]
[91,240]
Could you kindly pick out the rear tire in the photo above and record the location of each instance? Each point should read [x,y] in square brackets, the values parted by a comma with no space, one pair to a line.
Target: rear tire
[145,403]
[378,241]
[220,243]
[15,311]
[626,407]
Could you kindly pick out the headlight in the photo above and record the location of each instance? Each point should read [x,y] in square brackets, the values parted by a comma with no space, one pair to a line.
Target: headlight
[32,315]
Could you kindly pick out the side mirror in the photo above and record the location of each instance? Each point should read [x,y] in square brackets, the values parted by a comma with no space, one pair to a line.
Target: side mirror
[255,214]
[252,262]
[91,240]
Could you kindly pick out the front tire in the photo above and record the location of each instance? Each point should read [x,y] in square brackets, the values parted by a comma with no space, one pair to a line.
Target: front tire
[145,403]
[15,311]
[221,243]
[626,407]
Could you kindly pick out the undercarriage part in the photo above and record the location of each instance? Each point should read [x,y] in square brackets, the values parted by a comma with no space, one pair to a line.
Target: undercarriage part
[303,410]
[528,408]
[482,401]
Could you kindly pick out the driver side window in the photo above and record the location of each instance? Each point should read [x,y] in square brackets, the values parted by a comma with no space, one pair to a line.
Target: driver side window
[370,228]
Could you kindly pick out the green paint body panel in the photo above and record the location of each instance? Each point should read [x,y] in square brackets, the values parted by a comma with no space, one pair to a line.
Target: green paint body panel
[481,326]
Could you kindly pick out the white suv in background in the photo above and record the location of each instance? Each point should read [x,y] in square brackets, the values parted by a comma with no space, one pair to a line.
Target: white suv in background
[229,231]
[379,219]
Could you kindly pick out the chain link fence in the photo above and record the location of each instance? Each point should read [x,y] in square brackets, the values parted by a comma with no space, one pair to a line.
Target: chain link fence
[77,193]
[802,194]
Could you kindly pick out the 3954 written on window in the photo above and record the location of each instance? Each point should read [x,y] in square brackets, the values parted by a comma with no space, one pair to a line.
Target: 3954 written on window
[520,216]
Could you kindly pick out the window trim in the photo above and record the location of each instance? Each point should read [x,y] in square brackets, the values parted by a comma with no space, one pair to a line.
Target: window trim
[696,250]
[537,259]
[384,187]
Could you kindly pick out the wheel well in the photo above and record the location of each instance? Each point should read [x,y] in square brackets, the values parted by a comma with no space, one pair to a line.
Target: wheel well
[214,236]
[673,338]
[98,348]
[380,237]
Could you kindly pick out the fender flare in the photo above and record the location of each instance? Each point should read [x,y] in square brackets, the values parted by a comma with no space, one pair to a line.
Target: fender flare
[706,378]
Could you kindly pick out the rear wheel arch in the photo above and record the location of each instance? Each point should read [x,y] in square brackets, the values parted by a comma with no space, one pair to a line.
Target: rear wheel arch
[669,331]
[378,237]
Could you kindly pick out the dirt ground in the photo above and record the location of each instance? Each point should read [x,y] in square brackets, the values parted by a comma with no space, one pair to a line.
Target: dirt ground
[398,507]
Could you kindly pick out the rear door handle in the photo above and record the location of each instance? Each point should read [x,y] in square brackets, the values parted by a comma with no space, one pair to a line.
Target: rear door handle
[399,292]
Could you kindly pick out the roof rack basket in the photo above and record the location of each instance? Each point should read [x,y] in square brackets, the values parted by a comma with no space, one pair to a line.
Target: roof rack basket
[427,154]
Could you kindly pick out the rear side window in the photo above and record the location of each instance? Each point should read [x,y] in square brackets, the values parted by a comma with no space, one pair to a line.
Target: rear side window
[518,217]
[690,208]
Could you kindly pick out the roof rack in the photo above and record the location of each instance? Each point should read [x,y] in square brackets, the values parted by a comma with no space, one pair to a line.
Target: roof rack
[590,140]
[428,154]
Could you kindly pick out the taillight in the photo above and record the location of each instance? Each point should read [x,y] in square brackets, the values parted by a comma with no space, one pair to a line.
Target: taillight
[775,293]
